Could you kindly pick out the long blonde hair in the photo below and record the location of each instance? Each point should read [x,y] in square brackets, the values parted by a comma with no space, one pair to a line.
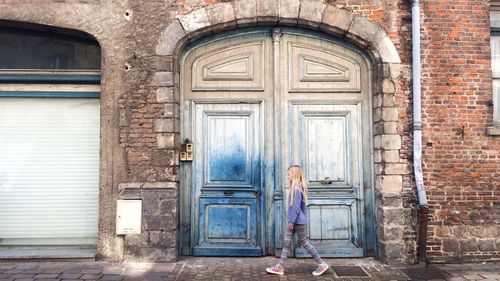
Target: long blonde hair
[298,181]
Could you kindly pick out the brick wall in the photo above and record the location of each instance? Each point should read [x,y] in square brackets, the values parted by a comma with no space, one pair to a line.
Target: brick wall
[461,162]
[141,134]
[149,133]
[49,1]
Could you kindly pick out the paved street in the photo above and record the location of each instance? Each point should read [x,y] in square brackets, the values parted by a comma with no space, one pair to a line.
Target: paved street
[195,268]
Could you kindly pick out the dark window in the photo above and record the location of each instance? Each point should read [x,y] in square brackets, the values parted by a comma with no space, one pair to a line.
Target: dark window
[30,49]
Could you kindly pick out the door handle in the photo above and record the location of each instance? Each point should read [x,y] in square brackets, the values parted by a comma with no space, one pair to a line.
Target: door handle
[327,180]
[228,193]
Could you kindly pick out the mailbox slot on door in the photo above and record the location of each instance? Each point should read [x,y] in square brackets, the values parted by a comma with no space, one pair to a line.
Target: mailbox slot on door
[186,153]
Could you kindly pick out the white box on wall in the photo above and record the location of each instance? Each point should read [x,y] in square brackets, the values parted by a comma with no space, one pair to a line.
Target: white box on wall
[128,216]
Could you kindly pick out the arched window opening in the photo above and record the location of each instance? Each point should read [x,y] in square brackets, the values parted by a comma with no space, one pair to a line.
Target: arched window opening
[49,137]
[28,49]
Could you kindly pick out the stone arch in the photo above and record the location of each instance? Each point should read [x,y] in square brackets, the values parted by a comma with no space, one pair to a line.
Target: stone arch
[339,22]
[32,25]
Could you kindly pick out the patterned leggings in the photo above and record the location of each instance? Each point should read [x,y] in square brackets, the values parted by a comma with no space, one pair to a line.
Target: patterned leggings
[301,232]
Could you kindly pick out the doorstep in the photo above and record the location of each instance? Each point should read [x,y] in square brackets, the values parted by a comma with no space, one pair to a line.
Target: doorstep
[48,253]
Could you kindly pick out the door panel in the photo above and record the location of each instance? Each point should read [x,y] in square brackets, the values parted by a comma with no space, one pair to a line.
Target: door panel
[316,69]
[333,228]
[227,179]
[325,142]
[228,226]
[255,102]
[325,139]
[321,143]
[230,68]
[324,99]
[228,149]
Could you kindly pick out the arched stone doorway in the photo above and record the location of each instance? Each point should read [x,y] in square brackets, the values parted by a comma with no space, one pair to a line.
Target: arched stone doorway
[364,34]
[255,102]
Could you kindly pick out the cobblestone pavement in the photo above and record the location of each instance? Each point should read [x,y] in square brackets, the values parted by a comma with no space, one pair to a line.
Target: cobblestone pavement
[196,268]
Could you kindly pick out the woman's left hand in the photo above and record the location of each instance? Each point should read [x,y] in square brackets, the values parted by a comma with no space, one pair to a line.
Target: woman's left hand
[290,227]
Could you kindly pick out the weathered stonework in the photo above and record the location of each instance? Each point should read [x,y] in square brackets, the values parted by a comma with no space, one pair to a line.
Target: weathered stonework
[165,95]
[222,13]
[267,12]
[169,38]
[313,15]
[336,20]
[245,11]
[163,78]
[289,11]
[460,242]
[140,92]
[194,20]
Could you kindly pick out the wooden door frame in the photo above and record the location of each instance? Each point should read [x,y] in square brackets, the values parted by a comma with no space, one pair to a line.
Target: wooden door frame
[272,241]
[364,33]
[185,188]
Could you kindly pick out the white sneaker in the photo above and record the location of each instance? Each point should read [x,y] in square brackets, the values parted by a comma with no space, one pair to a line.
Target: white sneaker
[321,269]
[277,269]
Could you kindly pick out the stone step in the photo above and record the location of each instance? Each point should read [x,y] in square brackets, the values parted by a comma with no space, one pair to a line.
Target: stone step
[47,253]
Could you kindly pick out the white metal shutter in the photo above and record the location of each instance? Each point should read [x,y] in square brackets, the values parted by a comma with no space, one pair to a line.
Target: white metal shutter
[49,171]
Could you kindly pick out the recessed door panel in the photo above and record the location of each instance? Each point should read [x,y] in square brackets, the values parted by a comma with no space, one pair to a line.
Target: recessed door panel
[325,139]
[228,226]
[325,136]
[227,178]
[228,148]
[333,227]
[230,68]
[314,68]
[228,222]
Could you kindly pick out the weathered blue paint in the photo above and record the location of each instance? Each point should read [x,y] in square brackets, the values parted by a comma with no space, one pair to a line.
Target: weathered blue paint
[51,78]
[228,159]
[278,77]
[233,251]
[36,94]
[227,180]
[326,139]
[227,222]
[338,156]
[228,225]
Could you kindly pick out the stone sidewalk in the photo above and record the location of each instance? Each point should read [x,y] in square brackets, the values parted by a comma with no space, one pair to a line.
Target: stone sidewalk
[196,268]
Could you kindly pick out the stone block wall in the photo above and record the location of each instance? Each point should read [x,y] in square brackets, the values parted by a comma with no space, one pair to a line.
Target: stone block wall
[158,239]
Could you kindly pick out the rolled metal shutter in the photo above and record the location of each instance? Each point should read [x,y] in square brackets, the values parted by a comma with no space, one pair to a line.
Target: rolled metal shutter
[49,171]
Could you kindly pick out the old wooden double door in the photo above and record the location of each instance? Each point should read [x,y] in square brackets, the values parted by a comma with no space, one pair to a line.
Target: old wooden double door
[254,102]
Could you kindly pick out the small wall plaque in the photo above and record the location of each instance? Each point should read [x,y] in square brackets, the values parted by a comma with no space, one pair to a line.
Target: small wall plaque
[128,216]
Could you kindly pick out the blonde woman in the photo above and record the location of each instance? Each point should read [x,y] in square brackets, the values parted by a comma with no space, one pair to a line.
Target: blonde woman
[297,220]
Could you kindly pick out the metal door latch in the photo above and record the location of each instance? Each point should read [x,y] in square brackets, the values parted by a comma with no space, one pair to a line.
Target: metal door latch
[327,180]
